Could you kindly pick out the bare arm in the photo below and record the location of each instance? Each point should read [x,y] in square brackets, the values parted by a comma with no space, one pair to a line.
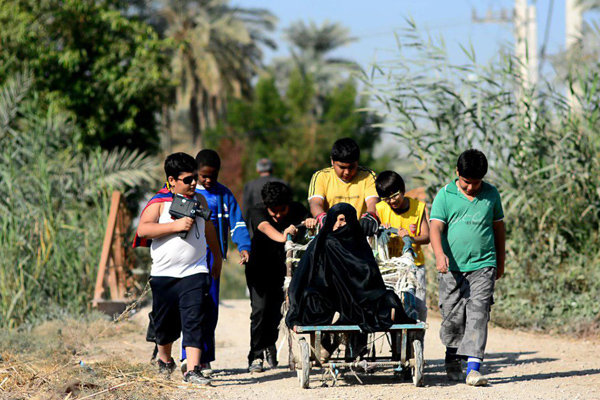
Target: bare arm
[213,242]
[500,242]
[273,234]
[151,229]
[435,234]
[423,237]
[372,205]
[317,206]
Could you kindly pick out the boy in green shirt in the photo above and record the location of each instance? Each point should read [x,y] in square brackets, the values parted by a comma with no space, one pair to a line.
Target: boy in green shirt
[468,236]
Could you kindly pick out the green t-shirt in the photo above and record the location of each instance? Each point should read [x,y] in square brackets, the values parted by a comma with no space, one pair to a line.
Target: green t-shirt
[468,239]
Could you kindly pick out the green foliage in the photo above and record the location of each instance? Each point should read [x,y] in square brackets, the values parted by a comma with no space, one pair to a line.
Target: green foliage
[288,130]
[107,70]
[217,54]
[54,206]
[543,158]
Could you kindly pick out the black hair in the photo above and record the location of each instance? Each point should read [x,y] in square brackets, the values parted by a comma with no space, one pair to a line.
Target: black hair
[177,163]
[208,158]
[472,164]
[345,150]
[276,194]
[389,183]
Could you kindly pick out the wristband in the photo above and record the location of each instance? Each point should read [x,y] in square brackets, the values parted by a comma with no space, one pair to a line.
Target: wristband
[321,219]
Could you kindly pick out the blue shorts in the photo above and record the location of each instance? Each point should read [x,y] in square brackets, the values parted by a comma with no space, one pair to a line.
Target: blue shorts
[179,305]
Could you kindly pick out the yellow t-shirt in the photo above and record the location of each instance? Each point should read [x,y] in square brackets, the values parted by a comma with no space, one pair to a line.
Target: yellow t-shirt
[326,185]
[409,220]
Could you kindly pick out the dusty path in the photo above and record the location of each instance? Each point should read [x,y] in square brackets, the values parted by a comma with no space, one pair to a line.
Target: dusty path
[519,365]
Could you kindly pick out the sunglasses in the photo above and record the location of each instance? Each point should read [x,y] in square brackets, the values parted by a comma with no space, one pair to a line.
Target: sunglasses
[391,197]
[189,179]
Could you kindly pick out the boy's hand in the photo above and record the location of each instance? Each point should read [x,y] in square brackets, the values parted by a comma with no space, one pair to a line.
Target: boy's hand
[499,271]
[403,232]
[442,263]
[183,224]
[310,223]
[369,223]
[215,272]
[291,230]
[244,257]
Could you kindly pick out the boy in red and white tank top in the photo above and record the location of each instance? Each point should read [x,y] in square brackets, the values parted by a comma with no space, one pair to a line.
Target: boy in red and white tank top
[180,279]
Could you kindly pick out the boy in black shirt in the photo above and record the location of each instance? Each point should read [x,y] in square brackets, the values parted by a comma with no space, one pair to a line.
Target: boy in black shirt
[270,223]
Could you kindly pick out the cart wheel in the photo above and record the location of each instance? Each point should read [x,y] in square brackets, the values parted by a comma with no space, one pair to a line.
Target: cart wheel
[417,369]
[304,368]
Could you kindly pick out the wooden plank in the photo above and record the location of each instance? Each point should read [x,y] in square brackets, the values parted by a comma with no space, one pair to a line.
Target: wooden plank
[106,246]
[119,256]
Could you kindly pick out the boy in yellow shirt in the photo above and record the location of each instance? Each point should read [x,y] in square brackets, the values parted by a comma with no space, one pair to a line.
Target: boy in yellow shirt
[345,182]
[409,216]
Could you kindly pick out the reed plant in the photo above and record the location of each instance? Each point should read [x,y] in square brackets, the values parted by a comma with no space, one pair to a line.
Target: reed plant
[543,153]
[54,206]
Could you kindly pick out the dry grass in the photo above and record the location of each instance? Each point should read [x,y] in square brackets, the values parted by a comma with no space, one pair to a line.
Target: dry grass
[44,363]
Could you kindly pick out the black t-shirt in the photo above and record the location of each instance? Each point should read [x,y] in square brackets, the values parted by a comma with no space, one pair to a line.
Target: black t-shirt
[252,193]
[263,248]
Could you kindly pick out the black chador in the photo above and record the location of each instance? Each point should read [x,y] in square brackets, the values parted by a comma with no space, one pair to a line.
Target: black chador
[339,273]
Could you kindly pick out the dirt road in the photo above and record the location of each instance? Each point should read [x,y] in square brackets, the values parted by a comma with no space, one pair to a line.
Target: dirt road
[519,365]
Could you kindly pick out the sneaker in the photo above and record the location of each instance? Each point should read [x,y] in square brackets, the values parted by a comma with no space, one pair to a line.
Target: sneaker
[256,366]
[454,371]
[195,377]
[166,368]
[271,356]
[476,379]
[183,367]
[206,370]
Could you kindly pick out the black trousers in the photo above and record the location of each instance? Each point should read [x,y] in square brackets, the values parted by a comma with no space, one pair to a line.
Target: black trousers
[265,283]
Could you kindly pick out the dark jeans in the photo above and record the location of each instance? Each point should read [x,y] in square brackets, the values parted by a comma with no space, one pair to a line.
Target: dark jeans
[265,283]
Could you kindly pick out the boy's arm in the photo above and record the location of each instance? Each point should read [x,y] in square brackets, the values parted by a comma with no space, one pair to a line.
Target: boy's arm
[213,242]
[423,237]
[273,234]
[316,196]
[215,249]
[239,230]
[500,242]
[372,205]
[371,195]
[151,229]
[435,234]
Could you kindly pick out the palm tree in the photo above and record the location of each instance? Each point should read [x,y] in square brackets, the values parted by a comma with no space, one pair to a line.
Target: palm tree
[218,52]
[311,45]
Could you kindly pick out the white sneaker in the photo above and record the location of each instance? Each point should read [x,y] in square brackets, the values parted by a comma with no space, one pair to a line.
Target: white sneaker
[206,370]
[476,379]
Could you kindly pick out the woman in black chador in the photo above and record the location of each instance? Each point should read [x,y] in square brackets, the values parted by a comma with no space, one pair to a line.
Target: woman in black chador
[338,273]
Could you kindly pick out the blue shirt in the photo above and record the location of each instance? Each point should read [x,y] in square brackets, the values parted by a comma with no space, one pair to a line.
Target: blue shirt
[226,216]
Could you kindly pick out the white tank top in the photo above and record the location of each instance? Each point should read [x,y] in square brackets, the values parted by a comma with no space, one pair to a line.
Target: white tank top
[176,257]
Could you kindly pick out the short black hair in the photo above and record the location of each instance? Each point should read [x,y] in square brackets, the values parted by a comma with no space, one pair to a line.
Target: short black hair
[208,158]
[472,164]
[389,183]
[177,163]
[276,194]
[345,150]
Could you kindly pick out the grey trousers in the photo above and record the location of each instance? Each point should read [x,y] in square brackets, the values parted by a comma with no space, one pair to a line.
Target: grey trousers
[465,302]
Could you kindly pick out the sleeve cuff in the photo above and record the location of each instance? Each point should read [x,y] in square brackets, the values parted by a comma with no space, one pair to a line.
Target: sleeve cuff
[318,196]
[437,219]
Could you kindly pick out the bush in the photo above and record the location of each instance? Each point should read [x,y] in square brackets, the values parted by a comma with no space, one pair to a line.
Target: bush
[54,206]
[544,159]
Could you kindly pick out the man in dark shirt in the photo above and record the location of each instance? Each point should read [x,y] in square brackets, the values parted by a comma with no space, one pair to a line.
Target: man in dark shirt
[252,189]
[270,223]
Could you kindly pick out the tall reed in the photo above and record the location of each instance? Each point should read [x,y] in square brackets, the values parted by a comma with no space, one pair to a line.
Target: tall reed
[544,159]
[54,205]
